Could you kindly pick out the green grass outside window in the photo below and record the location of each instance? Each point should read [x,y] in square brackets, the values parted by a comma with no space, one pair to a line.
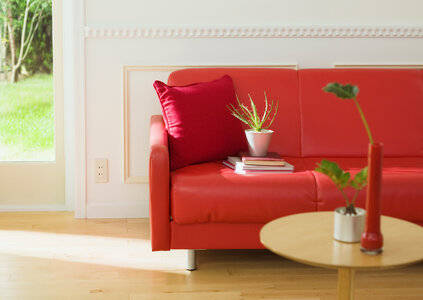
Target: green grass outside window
[27,119]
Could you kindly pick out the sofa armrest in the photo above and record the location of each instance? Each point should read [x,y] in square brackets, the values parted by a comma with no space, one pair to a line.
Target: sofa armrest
[159,181]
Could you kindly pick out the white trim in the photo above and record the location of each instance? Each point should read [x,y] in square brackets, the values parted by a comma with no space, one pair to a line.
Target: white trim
[75,156]
[68,98]
[117,210]
[146,32]
[136,179]
[80,115]
[378,66]
[58,79]
[45,207]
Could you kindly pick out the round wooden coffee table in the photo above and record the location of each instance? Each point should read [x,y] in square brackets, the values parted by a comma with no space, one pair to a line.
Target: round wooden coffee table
[308,238]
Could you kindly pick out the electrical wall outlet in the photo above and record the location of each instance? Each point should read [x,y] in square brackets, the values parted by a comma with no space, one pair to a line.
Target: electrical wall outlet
[101,170]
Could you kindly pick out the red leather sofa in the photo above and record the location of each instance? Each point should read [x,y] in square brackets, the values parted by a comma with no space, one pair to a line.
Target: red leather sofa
[208,206]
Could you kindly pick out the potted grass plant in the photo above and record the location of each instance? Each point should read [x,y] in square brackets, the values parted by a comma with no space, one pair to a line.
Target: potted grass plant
[258,136]
[349,220]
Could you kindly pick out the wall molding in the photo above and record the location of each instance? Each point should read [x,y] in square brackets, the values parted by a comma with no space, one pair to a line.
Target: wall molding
[379,66]
[146,32]
[128,177]
[41,207]
[99,210]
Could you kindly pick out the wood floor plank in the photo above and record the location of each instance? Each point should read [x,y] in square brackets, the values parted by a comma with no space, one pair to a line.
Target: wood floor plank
[51,255]
[212,295]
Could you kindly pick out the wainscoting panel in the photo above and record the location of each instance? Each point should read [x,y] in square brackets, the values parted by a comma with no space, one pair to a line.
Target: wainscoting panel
[140,102]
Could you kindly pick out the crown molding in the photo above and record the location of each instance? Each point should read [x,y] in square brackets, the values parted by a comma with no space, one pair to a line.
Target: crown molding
[146,32]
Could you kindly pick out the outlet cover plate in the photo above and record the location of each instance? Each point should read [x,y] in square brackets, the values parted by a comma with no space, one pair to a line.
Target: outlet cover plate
[101,169]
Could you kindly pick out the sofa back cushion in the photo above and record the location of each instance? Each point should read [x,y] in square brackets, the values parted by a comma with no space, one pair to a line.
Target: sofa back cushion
[280,85]
[391,99]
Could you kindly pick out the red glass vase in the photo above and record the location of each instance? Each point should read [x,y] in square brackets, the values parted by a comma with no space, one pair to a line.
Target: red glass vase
[372,239]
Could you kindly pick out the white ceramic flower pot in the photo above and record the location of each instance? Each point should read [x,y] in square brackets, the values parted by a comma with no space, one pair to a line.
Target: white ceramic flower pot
[348,228]
[258,142]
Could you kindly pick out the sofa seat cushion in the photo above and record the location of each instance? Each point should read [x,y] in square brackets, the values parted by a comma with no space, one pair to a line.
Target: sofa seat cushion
[402,187]
[213,193]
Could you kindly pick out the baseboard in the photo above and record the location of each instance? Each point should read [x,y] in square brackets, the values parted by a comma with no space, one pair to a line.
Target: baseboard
[94,210]
[117,210]
[41,207]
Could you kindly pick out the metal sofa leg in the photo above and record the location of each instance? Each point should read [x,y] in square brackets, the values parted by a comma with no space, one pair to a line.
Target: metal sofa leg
[191,264]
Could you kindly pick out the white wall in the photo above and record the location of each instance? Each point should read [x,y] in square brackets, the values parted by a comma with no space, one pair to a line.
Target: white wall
[254,12]
[106,56]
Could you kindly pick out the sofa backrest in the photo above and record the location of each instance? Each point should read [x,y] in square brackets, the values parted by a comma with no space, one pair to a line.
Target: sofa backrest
[280,85]
[391,99]
[312,123]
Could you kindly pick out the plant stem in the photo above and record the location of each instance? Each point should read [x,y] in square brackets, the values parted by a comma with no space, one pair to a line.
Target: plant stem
[355,197]
[364,120]
[345,196]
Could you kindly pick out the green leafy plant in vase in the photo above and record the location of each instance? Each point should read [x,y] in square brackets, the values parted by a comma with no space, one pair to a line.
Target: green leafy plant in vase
[258,136]
[340,178]
[349,220]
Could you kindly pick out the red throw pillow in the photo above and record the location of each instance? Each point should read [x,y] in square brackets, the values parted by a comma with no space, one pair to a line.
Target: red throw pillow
[199,125]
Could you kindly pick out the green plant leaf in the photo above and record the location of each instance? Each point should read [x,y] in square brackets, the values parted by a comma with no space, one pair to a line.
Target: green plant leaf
[360,179]
[337,175]
[332,170]
[246,113]
[251,116]
[266,106]
[346,91]
[349,91]
[266,114]
[253,106]
[239,115]
[274,114]
[344,179]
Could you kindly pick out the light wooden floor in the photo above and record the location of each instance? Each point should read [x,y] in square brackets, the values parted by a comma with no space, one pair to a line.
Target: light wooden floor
[53,256]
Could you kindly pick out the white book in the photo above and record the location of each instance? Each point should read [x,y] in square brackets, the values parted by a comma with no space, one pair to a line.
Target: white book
[261,172]
[239,165]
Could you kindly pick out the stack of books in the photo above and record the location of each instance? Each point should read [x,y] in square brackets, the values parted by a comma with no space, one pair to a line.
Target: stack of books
[246,164]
